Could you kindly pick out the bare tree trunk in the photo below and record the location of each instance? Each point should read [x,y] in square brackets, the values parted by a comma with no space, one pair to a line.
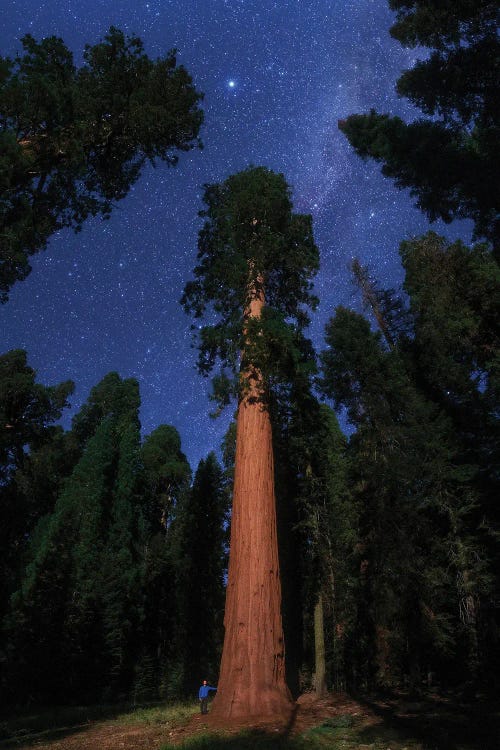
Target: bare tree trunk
[252,675]
[319,649]
[370,299]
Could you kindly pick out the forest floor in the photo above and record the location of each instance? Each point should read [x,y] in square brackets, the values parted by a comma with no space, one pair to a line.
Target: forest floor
[337,722]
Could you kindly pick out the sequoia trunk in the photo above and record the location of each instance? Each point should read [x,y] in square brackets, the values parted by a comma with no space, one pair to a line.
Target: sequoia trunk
[252,675]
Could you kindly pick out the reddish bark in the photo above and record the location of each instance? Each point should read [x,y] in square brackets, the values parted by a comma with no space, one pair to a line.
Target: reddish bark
[252,675]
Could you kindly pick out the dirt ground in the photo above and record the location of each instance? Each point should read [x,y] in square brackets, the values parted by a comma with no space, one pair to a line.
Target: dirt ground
[436,720]
[110,735]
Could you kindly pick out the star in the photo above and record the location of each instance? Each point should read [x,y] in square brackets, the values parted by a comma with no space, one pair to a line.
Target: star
[121,298]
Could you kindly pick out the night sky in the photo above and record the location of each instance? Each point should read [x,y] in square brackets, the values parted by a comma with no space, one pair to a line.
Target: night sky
[277,76]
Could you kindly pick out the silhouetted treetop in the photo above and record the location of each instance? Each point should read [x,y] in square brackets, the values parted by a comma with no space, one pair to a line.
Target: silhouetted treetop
[449,161]
[74,140]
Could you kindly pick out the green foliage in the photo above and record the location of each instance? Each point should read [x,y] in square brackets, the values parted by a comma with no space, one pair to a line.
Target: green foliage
[248,740]
[455,298]
[326,522]
[166,472]
[122,571]
[343,720]
[385,305]
[74,140]
[420,464]
[111,398]
[168,715]
[51,623]
[67,622]
[27,410]
[200,551]
[166,475]
[34,459]
[441,25]
[252,245]
[449,161]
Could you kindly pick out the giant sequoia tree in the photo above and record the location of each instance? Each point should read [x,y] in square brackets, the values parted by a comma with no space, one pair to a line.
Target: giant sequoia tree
[256,260]
[74,140]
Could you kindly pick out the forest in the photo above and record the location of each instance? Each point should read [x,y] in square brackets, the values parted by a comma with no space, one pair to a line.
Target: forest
[295,558]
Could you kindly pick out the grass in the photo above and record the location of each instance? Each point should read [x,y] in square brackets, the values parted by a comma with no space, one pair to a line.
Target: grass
[313,740]
[429,729]
[338,733]
[169,715]
[56,723]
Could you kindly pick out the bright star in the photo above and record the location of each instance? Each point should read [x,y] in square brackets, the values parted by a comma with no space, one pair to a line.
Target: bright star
[231,84]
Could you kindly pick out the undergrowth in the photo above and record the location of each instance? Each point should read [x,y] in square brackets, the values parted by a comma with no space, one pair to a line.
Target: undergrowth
[170,715]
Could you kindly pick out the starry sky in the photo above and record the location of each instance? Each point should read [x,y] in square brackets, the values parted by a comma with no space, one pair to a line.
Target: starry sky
[277,77]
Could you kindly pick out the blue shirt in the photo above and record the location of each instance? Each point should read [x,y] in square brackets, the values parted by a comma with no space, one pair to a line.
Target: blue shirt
[204,691]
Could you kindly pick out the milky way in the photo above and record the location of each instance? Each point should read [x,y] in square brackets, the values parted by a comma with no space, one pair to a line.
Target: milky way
[277,77]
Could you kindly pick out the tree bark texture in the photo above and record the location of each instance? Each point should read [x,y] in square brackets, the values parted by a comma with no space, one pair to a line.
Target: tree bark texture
[252,675]
[319,649]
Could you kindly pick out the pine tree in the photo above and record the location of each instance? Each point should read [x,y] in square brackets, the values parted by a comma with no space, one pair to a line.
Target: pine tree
[167,473]
[386,306]
[54,617]
[256,260]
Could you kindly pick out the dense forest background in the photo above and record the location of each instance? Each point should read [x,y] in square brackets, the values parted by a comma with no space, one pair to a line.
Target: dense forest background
[114,551]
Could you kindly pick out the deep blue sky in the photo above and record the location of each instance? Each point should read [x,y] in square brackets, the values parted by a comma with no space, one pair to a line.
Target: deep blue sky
[277,76]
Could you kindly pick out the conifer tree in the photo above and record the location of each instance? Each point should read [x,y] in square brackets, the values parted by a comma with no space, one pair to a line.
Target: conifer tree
[256,261]
[200,554]
[454,294]
[122,569]
[449,158]
[166,480]
[74,140]
[428,563]
[400,445]
[167,473]
[327,520]
[29,442]
[55,622]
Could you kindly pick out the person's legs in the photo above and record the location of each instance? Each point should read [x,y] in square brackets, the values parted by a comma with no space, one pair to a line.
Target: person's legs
[204,705]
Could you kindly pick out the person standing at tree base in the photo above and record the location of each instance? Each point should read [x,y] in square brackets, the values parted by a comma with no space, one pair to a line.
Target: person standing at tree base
[203,696]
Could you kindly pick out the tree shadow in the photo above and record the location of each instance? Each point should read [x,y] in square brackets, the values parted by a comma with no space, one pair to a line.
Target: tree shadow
[437,723]
[247,740]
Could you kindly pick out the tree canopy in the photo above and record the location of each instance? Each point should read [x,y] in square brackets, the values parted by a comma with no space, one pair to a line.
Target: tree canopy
[73,140]
[450,159]
[252,243]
